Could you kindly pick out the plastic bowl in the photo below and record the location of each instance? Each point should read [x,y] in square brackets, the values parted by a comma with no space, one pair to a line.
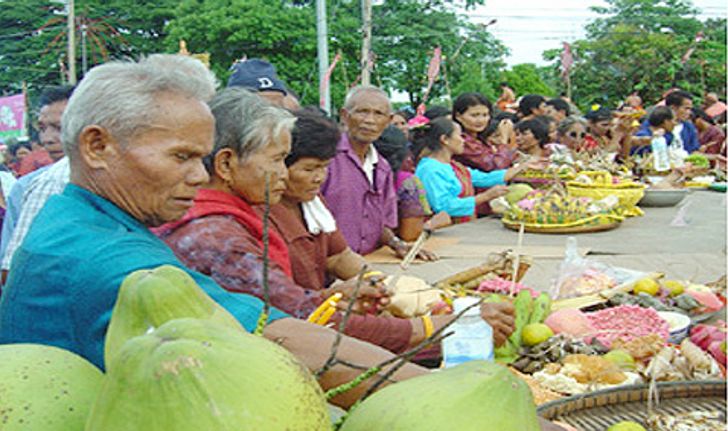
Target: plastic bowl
[679,325]
[663,197]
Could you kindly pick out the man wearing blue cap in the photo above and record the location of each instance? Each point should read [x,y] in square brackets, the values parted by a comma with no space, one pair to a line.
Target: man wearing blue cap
[260,76]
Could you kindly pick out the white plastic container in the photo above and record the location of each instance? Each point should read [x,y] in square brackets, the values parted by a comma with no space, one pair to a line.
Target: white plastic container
[472,339]
[660,154]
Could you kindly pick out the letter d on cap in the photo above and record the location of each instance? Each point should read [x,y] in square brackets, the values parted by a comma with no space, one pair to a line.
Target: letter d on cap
[265,83]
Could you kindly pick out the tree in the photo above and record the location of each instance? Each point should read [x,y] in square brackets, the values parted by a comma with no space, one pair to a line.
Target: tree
[526,78]
[639,46]
[34,37]
[405,33]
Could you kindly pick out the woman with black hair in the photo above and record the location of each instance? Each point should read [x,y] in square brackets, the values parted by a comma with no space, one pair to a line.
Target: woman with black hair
[412,206]
[449,185]
[472,112]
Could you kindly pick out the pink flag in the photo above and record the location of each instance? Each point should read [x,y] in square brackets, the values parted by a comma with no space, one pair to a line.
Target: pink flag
[327,78]
[432,71]
[698,38]
[12,116]
[567,60]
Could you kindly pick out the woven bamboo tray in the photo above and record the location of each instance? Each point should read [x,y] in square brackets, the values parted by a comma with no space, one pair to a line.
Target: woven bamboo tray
[597,411]
[561,229]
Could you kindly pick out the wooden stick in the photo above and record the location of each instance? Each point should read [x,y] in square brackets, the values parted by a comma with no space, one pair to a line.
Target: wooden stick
[517,262]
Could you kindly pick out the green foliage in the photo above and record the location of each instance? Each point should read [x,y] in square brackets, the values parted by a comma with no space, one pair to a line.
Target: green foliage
[24,55]
[33,37]
[638,46]
[231,29]
[526,79]
[404,35]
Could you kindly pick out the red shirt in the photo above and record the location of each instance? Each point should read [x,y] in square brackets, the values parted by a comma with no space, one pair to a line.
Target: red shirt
[308,252]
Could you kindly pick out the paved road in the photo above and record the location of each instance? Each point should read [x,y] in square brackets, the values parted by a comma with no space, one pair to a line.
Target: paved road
[653,242]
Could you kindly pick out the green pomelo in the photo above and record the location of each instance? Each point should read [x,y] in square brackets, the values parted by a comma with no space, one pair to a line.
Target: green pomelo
[194,374]
[621,358]
[149,298]
[517,191]
[473,396]
[44,388]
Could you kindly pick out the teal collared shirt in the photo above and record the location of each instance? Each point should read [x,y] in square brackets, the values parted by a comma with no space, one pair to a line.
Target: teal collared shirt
[65,276]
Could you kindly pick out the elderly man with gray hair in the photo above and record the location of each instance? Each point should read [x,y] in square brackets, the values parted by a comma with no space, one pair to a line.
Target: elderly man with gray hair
[359,188]
[136,134]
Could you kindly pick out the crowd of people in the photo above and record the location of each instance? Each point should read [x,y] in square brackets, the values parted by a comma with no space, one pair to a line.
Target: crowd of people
[148,165]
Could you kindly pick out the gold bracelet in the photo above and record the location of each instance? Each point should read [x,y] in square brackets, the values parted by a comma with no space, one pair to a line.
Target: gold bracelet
[428,326]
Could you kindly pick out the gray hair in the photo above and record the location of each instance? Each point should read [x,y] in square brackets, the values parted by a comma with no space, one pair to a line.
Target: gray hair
[121,95]
[569,122]
[359,90]
[245,123]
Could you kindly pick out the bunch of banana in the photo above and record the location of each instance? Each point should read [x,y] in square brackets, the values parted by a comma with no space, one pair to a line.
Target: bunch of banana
[528,310]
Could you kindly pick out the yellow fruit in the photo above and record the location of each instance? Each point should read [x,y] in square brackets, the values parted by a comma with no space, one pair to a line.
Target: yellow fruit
[536,333]
[626,426]
[674,287]
[646,285]
[620,358]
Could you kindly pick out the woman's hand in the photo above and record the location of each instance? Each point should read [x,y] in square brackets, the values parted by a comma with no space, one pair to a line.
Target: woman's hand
[371,298]
[491,193]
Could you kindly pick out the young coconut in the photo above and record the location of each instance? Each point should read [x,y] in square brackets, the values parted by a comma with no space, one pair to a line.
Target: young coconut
[149,298]
[44,388]
[473,396]
[193,374]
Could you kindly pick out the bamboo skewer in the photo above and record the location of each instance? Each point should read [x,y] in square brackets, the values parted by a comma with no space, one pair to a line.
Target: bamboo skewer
[517,261]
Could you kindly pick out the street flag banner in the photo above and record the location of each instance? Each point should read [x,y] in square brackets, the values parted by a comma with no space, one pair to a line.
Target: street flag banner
[567,60]
[12,117]
[432,71]
[327,80]
[698,38]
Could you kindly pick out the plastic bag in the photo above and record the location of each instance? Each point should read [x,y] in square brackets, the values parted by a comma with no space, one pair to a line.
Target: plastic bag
[579,276]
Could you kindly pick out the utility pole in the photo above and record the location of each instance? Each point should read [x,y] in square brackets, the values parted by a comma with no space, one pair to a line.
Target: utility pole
[366,46]
[71,42]
[84,58]
[323,53]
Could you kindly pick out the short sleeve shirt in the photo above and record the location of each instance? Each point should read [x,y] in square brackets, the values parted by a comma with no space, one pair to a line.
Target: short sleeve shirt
[308,252]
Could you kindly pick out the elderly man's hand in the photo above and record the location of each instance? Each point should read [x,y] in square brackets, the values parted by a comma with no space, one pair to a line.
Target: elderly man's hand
[402,248]
[501,317]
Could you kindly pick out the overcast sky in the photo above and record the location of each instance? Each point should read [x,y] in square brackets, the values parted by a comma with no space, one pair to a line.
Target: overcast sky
[529,27]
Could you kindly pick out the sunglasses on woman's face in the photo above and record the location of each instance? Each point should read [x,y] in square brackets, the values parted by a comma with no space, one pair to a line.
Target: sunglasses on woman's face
[577,135]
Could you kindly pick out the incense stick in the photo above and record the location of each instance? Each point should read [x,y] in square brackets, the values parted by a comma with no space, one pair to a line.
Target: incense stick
[517,261]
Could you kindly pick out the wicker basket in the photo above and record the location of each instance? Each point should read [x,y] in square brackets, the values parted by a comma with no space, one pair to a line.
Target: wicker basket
[597,411]
[629,193]
[595,223]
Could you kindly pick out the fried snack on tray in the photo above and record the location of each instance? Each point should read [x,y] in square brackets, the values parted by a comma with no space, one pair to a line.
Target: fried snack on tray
[690,421]
[593,369]
[641,348]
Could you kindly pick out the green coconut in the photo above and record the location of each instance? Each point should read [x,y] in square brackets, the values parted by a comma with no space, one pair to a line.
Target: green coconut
[44,388]
[473,396]
[193,374]
[149,298]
